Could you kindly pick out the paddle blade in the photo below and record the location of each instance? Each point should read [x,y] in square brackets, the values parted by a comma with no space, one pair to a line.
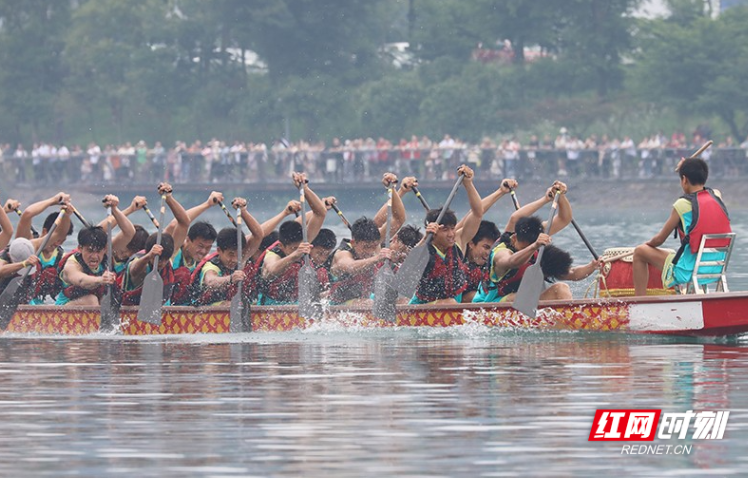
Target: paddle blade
[109,311]
[409,274]
[385,296]
[309,306]
[9,300]
[151,299]
[168,289]
[529,291]
[239,313]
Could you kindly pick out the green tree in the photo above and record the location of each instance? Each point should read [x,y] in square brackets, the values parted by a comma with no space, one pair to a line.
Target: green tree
[107,48]
[698,68]
[390,106]
[594,37]
[31,45]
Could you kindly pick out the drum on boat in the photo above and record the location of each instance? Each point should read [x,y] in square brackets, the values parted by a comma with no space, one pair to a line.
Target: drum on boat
[617,277]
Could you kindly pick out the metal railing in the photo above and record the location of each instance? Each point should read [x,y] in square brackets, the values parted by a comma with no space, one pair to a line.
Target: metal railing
[339,165]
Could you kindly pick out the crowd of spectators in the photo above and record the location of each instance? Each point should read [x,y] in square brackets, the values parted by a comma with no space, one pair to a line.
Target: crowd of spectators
[360,159]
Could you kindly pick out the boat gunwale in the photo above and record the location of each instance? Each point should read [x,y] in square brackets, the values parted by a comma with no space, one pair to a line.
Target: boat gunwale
[552,304]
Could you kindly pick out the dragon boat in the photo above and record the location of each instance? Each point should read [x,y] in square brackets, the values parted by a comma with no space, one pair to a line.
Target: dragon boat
[715,314]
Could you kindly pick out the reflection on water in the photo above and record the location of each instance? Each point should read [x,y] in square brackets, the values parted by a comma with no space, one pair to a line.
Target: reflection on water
[464,402]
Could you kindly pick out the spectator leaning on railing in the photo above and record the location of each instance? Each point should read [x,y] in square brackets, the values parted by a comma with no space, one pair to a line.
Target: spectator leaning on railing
[360,159]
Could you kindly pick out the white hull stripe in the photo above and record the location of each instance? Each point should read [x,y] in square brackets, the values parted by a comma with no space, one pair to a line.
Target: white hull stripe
[666,316]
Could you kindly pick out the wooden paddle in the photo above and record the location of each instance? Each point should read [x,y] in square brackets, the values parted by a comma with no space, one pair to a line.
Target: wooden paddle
[238,317]
[340,215]
[697,153]
[34,232]
[152,217]
[584,239]
[14,293]
[109,307]
[152,297]
[308,284]
[514,197]
[228,214]
[409,274]
[421,198]
[531,286]
[80,217]
[385,296]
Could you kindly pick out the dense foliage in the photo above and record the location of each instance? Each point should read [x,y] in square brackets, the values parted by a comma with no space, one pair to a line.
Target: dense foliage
[110,70]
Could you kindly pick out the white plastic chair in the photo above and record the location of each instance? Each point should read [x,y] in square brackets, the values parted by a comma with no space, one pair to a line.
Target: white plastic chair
[715,269]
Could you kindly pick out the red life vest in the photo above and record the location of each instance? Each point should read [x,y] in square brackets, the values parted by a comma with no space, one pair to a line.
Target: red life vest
[255,283]
[352,286]
[181,293]
[708,216]
[202,295]
[443,278]
[475,275]
[132,297]
[73,292]
[285,288]
[250,285]
[47,279]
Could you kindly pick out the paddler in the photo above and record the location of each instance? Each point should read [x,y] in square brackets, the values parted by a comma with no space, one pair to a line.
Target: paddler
[699,211]
[357,260]
[444,279]
[517,250]
[215,279]
[479,247]
[197,245]
[282,262]
[131,281]
[14,260]
[47,281]
[84,274]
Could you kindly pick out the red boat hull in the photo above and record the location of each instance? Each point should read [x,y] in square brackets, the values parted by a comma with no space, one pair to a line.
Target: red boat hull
[692,315]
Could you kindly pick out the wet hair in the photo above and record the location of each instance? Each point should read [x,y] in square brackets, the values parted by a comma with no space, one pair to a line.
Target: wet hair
[51,218]
[325,239]
[528,229]
[695,170]
[449,218]
[410,235]
[137,243]
[202,230]
[167,242]
[486,230]
[364,230]
[269,240]
[555,263]
[290,232]
[94,237]
[226,240]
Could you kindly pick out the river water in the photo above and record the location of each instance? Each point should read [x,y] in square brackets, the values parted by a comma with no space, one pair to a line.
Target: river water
[465,401]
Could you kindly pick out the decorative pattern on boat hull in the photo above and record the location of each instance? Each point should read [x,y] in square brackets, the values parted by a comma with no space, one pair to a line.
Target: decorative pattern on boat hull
[43,320]
[716,314]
